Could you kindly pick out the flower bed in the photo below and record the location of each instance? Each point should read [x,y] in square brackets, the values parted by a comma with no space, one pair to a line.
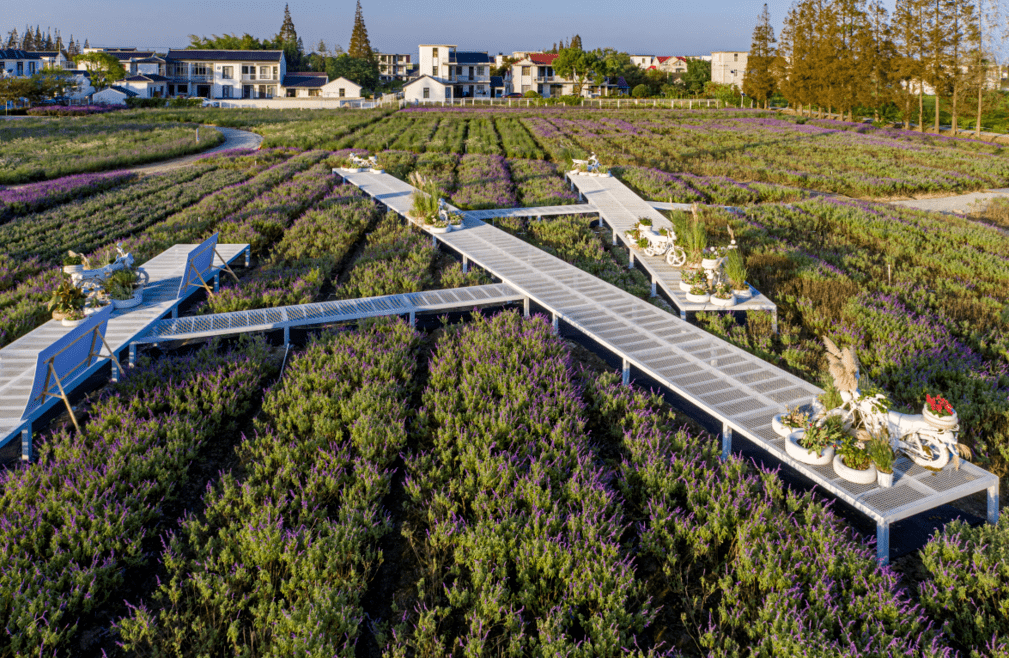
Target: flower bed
[538,183]
[282,557]
[396,259]
[72,524]
[483,182]
[39,196]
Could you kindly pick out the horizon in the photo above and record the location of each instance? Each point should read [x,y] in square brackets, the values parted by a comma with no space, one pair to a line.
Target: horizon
[399,26]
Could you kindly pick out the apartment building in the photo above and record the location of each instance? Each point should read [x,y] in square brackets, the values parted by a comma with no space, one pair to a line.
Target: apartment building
[394,66]
[535,72]
[225,73]
[729,67]
[466,73]
[666,63]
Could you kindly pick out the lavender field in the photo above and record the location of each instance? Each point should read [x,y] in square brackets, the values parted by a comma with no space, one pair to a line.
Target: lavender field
[486,487]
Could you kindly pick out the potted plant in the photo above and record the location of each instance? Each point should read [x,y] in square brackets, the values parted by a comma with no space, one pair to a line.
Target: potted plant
[698,295]
[437,225]
[67,303]
[792,419]
[455,221]
[73,263]
[709,258]
[813,445]
[723,295]
[691,278]
[424,200]
[695,240]
[853,463]
[642,243]
[645,224]
[939,413]
[735,272]
[881,454]
[125,289]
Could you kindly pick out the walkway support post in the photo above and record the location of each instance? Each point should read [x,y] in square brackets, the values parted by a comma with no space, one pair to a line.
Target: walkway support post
[993,504]
[525,307]
[726,441]
[248,255]
[883,542]
[556,324]
[465,264]
[217,281]
[133,354]
[626,374]
[614,237]
[413,318]
[630,259]
[653,287]
[26,443]
[287,336]
[683,315]
[774,320]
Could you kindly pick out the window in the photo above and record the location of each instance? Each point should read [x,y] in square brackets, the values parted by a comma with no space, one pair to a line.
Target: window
[264,72]
[21,68]
[314,92]
[199,69]
[525,70]
[735,57]
[480,70]
[276,76]
[343,92]
[182,89]
[471,72]
[458,70]
[434,52]
[427,92]
[228,72]
[291,93]
[226,90]
[249,72]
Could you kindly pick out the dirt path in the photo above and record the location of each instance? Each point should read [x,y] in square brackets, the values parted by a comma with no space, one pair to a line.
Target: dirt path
[233,139]
[959,204]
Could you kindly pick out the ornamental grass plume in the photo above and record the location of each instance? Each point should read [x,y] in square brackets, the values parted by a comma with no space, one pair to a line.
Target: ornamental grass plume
[843,366]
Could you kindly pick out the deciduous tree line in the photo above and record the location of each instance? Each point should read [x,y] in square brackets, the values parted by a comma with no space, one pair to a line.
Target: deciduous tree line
[847,55]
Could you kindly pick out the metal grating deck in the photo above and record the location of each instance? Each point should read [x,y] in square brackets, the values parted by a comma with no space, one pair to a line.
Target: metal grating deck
[734,386]
[204,326]
[621,208]
[17,360]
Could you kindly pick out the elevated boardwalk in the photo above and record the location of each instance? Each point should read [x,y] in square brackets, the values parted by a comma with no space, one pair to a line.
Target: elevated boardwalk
[621,208]
[285,317]
[537,212]
[161,297]
[738,389]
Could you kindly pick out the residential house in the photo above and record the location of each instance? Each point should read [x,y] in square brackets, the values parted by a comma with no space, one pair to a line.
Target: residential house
[342,88]
[466,72]
[55,59]
[427,89]
[114,95]
[393,66]
[82,88]
[535,72]
[666,63]
[729,67]
[225,73]
[498,86]
[307,84]
[19,63]
[150,85]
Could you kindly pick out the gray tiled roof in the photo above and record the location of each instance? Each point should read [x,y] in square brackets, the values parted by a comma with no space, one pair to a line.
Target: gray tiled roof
[225,55]
[147,77]
[17,54]
[127,55]
[469,57]
[129,92]
[305,80]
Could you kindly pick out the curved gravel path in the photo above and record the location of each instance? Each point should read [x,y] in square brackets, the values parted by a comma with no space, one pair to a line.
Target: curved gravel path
[960,204]
[233,139]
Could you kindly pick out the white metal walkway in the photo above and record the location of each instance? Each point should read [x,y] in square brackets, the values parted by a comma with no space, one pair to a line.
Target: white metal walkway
[740,390]
[537,212]
[285,317]
[161,297]
[621,208]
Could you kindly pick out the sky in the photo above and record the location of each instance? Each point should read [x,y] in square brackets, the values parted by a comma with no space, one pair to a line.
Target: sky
[642,27]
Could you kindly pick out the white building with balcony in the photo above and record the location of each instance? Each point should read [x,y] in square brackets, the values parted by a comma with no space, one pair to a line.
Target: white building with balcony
[226,73]
[394,66]
[466,72]
[535,72]
[19,63]
[729,67]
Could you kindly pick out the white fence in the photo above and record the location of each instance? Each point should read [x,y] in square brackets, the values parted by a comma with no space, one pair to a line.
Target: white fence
[618,103]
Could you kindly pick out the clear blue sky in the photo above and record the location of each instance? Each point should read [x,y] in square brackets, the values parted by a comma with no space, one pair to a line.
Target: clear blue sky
[638,27]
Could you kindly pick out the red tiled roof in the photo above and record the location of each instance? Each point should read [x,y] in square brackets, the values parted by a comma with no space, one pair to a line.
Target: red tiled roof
[662,58]
[542,58]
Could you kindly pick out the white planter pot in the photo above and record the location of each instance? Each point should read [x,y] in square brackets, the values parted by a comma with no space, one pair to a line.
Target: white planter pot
[718,301]
[685,287]
[709,263]
[742,294]
[73,269]
[647,229]
[136,300]
[800,454]
[594,174]
[939,422]
[71,323]
[868,476]
[698,299]
[378,171]
[780,428]
[438,229]
[884,480]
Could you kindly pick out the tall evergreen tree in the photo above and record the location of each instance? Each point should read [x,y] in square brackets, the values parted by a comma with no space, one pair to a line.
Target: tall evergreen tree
[878,56]
[758,82]
[287,32]
[40,42]
[28,40]
[360,46]
[13,40]
[937,49]
[576,42]
[964,42]
[58,45]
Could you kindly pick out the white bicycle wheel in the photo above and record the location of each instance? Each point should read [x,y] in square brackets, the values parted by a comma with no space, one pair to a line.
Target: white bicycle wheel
[676,257]
[934,454]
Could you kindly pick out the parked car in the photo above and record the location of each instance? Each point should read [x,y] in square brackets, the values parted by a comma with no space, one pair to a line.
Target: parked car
[513,96]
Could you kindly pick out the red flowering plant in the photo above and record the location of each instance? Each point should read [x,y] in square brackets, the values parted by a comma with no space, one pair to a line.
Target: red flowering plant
[939,406]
